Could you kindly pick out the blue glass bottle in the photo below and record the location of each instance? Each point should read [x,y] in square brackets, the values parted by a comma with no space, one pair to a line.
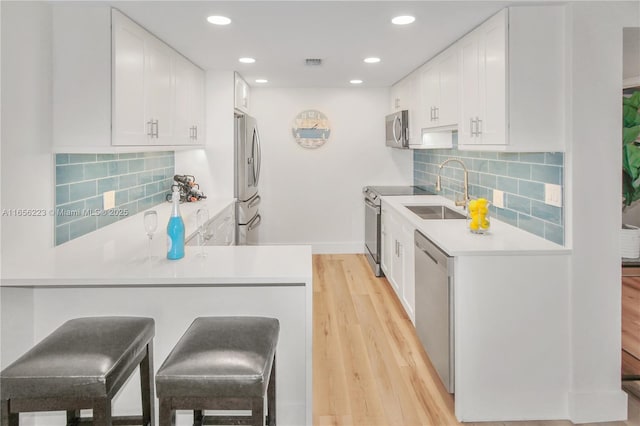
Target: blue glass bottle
[175,230]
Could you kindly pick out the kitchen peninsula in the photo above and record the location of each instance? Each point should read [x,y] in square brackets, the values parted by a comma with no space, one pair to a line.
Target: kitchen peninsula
[108,272]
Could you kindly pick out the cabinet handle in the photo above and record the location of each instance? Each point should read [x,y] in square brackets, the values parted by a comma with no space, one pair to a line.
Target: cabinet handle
[478,126]
[431,114]
[150,128]
[436,111]
[195,132]
[471,121]
[154,128]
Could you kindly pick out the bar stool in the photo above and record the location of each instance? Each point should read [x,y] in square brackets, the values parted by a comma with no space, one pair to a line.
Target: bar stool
[82,365]
[221,363]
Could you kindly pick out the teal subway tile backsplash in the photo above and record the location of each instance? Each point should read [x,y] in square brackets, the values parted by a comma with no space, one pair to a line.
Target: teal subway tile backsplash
[141,181]
[521,176]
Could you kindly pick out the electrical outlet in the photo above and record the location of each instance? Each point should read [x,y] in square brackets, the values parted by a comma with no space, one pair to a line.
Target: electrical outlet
[108,200]
[553,194]
[498,198]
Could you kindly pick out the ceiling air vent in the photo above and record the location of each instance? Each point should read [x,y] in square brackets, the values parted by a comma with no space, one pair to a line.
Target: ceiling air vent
[313,62]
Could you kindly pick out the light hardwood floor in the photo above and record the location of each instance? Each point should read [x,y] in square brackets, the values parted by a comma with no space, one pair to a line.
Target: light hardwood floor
[369,368]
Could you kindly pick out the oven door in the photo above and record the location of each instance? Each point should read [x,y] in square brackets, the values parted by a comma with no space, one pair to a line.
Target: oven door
[372,234]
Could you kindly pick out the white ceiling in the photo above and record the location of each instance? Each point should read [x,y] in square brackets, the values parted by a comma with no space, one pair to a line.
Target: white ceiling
[281,34]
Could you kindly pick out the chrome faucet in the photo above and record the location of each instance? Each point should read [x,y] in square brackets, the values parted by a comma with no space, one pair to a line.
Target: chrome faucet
[464,201]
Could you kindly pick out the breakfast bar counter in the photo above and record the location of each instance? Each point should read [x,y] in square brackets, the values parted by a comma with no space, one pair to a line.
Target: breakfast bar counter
[109,274]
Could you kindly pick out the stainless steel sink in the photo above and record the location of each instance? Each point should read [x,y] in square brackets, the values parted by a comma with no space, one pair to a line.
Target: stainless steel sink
[436,212]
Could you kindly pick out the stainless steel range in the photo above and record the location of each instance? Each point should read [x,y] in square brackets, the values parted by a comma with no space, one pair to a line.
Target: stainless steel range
[372,232]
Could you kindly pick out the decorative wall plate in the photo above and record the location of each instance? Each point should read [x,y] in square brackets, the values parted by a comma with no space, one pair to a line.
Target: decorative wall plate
[311,129]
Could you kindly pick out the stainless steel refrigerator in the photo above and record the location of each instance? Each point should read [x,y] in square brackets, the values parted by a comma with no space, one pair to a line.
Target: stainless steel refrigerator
[247,178]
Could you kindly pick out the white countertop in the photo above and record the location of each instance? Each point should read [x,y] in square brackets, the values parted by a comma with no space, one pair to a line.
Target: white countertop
[453,236]
[117,255]
[223,265]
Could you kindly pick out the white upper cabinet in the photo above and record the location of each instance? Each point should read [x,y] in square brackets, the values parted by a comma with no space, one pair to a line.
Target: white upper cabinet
[129,113]
[405,95]
[483,83]
[189,95]
[512,89]
[439,85]
[242,93]
[159,81]
[166,107]
[116,85]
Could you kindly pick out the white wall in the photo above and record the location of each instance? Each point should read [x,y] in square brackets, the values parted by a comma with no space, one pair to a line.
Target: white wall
[27,162]
[593,214]
[314,196]
[213,166]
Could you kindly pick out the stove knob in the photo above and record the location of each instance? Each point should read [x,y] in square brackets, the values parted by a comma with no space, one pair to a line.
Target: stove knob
[374,196]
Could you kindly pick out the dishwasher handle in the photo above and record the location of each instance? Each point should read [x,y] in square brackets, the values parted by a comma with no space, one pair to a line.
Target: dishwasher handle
[434,252]
[422,249]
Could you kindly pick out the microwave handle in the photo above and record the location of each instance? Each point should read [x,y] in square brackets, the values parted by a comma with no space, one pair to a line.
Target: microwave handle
[396,139]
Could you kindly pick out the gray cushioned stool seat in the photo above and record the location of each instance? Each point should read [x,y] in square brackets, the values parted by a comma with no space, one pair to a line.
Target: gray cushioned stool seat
[85,358]
[220,358]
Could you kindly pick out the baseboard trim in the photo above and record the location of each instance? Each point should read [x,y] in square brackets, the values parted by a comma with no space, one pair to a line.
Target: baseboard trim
[591,407]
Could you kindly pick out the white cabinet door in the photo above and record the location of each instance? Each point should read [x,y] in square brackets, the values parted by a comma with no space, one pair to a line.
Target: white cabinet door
[189,102]
[512,94]
[386,242]
[198,87]
[483,84]
[491,125]
[397,258]
[184,89]
[396,96]
[447,112]
[439,80]
[160,91]
[408,265]
[130,121]
[430,84]
[241,94]
[397,266]
[469,93]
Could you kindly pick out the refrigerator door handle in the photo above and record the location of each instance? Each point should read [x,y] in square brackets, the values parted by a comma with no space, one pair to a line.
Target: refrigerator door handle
[254,202]
[254,223]
[258,157]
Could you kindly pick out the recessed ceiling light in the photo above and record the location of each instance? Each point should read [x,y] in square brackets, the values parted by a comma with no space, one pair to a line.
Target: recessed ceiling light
[219,20]
[403,20]
[247,60]
[372,60]
[355,81]
[262,80]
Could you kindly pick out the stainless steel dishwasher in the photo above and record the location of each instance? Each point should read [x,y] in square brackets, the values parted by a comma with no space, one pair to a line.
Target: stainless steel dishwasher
[434,306]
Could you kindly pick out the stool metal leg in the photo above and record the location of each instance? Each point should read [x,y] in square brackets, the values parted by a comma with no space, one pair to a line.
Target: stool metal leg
[102,412]
[271,396]
[198,418]
[146,387]
[8,418]
[257,411]
[73,417]
[167,414]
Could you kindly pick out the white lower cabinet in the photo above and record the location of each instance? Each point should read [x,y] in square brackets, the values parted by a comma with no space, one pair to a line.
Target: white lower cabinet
[398,258]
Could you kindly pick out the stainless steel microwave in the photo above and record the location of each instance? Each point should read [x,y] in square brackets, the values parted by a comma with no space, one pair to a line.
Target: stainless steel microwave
[397,129]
